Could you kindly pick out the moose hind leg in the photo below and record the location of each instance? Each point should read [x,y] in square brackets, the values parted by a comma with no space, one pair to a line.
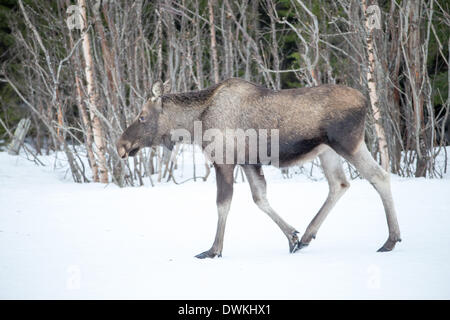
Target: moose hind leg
[370,170]
[258,188]
[224,180]
[338,184]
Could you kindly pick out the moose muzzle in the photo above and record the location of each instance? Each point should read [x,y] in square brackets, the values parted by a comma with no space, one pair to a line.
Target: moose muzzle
[126,148]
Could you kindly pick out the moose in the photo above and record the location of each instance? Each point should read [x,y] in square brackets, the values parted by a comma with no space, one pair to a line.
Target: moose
[325,121]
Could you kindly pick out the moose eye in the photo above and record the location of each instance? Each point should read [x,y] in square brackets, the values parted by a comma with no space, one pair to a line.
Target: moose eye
[141,118]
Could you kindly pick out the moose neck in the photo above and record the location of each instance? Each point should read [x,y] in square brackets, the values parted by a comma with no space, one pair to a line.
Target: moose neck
[186,116]
[188,107]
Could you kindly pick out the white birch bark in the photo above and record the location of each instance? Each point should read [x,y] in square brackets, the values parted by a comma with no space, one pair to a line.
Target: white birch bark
[371,83]
[99,141]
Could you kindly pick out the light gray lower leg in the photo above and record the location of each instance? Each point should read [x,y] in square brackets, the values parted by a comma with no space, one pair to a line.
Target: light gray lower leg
[380,179]
[224,180]
[223,210]
[338,184]
[258,188]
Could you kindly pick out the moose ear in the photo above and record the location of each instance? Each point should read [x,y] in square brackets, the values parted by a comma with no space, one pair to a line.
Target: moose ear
[157,89]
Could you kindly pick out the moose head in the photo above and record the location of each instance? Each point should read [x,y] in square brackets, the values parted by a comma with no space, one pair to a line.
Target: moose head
[149,128]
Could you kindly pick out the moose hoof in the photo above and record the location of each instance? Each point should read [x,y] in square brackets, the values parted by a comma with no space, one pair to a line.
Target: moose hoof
[208,254]
[294,247]
[389,245]
[294,243]
[302,245]
[305,241]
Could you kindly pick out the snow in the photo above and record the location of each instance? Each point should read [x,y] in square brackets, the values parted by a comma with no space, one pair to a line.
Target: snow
[61,240]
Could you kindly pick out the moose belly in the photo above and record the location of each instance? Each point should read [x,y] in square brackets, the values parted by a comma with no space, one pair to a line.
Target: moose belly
[300,152]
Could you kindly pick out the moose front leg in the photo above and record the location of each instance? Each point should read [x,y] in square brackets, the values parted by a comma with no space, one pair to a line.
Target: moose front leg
[258,186]
[224,180]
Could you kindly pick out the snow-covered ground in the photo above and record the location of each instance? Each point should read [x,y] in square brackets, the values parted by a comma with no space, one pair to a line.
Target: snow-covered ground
[64,240]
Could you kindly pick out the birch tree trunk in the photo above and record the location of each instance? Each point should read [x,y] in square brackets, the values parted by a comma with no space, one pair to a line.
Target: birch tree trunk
[416,81]
[100,145]
[88,136]
[371,83]
[198,49]
[276,58]
[213,41]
